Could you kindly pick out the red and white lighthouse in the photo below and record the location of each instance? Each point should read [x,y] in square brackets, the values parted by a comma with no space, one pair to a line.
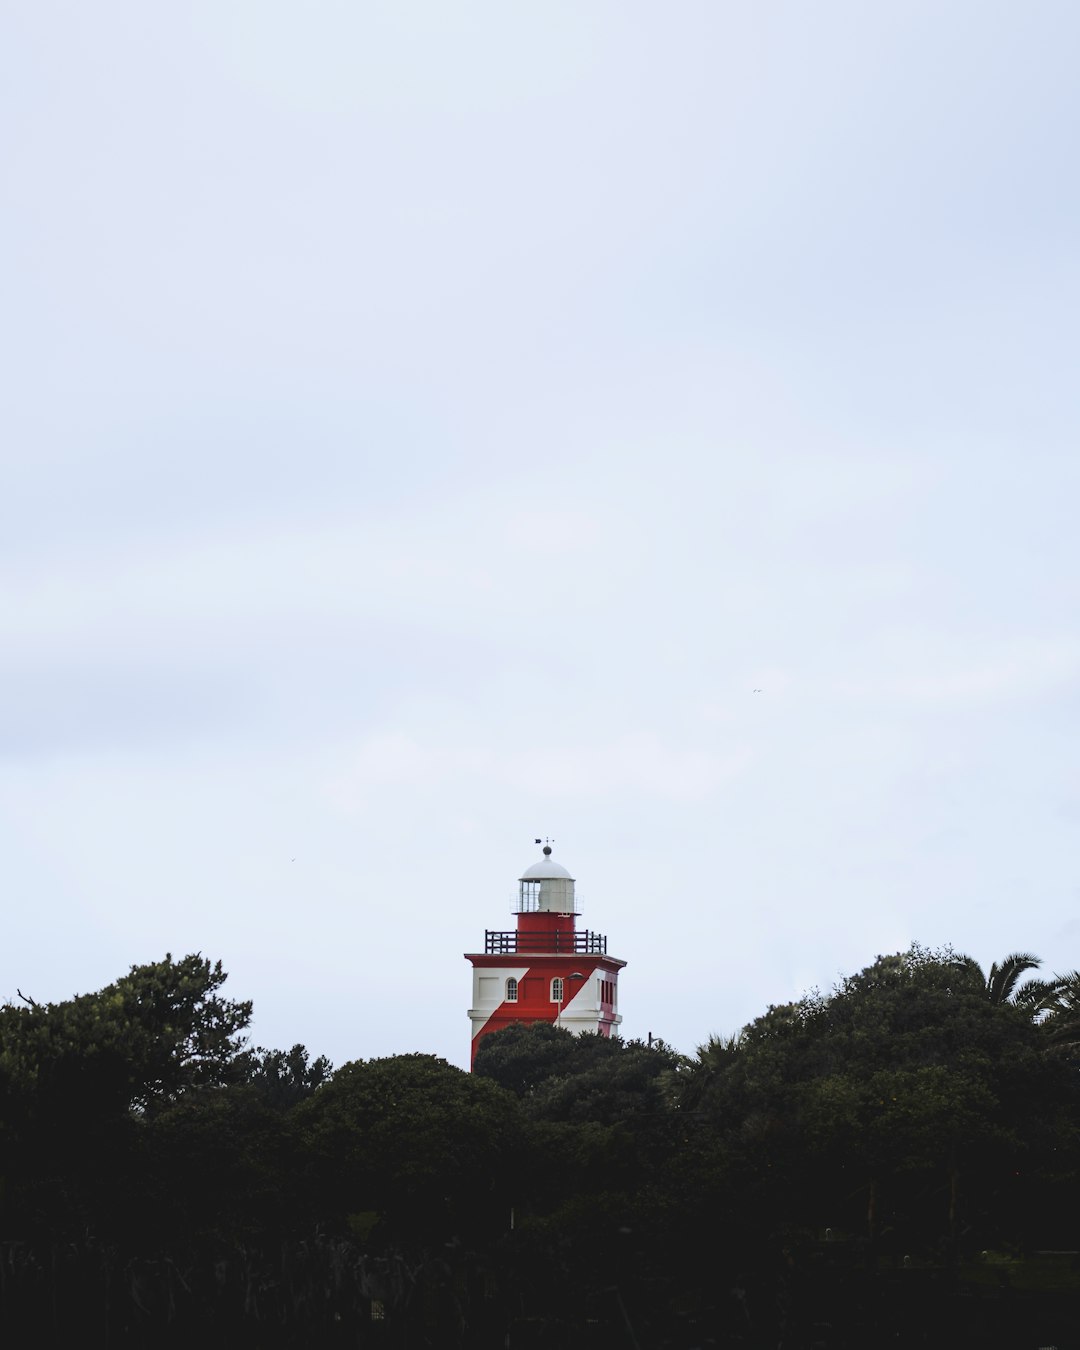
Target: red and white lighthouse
[545,969]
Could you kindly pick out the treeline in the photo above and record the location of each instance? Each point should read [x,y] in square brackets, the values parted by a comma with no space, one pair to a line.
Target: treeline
[897,1161]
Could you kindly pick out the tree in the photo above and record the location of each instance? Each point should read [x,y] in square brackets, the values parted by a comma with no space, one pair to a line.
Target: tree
[1061,1026]
[422,1144]
[879,1091]
[137,1045]
[715,1057]
[283,1078]
[1003,982]
[80,1081]
[629,1084]
[525,1055]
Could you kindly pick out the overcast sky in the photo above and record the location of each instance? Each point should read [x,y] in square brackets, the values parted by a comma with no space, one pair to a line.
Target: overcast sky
[425,425]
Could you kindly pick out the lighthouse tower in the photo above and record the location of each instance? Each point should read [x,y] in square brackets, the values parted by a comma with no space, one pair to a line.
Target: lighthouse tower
[546,969]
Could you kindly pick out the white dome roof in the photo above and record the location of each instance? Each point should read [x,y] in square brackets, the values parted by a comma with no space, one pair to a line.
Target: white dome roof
[546,870]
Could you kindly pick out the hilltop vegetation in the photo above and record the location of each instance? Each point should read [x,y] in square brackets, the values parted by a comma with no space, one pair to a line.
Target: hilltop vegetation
[894,1153]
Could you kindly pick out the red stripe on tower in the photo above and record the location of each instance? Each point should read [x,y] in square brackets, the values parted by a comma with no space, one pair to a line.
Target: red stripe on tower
[545,969]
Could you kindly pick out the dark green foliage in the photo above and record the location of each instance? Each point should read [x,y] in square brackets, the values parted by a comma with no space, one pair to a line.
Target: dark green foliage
[1061,1027]
[413,1140]
[282,1078]
[629,1082]
[137,1045]
[526,1055]
[177,1188]
[897,1104]
[83,1080]
[218,1164]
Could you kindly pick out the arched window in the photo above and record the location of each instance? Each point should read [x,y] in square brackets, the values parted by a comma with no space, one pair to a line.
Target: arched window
[557,989]
[511,990]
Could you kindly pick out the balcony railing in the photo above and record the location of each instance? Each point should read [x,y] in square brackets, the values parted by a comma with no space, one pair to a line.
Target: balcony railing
[513,942]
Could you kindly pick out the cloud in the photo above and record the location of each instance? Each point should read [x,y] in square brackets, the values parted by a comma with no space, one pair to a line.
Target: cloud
[1028,668]
[462,561]
[640,764]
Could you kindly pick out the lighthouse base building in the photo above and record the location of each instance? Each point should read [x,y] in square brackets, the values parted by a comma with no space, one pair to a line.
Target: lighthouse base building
[545,969]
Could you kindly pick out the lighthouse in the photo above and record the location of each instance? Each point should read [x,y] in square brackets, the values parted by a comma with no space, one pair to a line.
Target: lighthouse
[545,969]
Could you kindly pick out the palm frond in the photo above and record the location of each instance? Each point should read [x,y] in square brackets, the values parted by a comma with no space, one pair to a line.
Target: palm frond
[718,1051]
[1003,978]
[1040,998]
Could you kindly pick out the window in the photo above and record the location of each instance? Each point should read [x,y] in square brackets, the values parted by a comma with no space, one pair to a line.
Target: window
[557,989]
[529,897]
[511,990]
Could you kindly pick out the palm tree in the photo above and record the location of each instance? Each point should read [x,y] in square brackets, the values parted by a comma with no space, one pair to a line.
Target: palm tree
[714,1059]
[1003,982]
[1061,1024]
[1039,998]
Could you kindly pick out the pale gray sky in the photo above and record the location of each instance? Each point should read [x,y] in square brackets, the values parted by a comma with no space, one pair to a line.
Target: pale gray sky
[424,425]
